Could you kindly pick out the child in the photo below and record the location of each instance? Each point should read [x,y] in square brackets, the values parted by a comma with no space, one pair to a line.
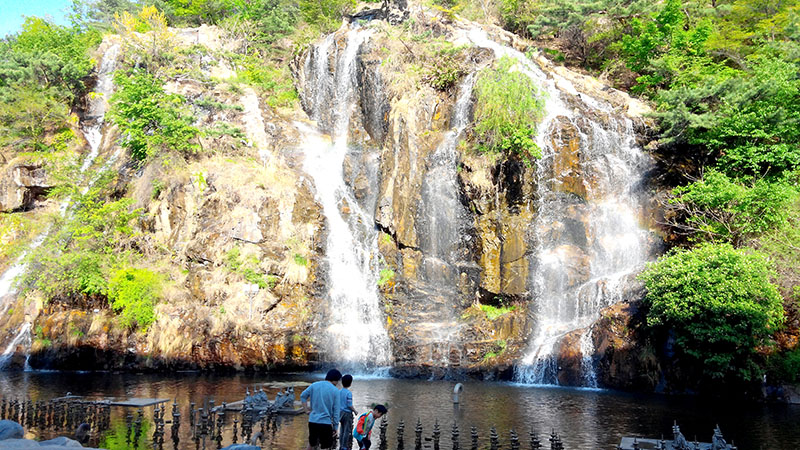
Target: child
[364,426]
[346,414]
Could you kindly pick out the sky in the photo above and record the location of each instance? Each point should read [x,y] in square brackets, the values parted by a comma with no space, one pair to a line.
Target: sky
[11,12]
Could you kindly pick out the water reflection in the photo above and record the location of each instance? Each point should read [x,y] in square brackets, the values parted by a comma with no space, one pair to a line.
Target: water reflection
[586,419]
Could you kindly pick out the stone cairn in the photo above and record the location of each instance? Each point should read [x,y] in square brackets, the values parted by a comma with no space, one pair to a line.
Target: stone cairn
[254,424]
[206,426]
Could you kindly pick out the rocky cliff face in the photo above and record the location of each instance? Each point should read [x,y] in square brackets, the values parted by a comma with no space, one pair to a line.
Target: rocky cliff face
[453,259]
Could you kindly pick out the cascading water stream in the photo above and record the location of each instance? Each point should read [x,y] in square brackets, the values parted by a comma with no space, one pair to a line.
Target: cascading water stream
[585,249]
[355,319]
[442,221]
[92,131]
[442,216]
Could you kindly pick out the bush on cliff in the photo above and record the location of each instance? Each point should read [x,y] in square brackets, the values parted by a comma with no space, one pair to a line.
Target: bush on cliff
[326,14]
[74,261]
[151,120]
[133,293]
[717,208]
[508,107]
[720,304]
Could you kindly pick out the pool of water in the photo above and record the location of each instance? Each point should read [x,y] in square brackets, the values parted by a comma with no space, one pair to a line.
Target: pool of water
[585,419]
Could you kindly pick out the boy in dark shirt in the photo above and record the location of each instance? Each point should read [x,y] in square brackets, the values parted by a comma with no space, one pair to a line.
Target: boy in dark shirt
[346,414]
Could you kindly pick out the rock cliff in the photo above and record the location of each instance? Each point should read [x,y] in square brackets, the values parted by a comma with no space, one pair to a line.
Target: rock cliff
[457,293]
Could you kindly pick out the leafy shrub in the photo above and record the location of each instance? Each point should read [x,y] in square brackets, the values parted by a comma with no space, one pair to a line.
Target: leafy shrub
[27,113]
[75,259]
[385,277]
[221,129]
[212,104]
[660,47]
[275,82]
[248,269]
[720,304]
[719,209]
[326,14]
[134,293]
[150,119]
[261,22]
[507,109]
[785,366]
[446,66]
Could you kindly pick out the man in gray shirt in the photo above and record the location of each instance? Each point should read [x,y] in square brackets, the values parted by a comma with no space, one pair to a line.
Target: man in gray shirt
[323,413]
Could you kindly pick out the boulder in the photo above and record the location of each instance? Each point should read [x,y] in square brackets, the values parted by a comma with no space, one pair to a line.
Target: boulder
[61,441]
[10,430]
[21,185]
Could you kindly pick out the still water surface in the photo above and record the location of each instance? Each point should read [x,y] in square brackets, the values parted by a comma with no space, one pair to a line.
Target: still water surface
[586,419]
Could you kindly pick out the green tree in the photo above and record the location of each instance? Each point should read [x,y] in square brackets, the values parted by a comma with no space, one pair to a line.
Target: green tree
[48,56]
[661,47]
[719,209]
[134,293]
[721,305]
[150,119]
[27,113]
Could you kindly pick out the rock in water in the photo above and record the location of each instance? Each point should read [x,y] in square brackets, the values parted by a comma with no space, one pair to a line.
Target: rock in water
[61,441]
[10,430]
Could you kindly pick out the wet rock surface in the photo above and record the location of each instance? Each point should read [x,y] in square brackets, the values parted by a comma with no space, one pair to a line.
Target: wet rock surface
[255,198]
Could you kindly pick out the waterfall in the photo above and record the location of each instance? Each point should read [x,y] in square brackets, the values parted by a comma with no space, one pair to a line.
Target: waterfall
[92,131]
[443,222]
[23,337]
[442,216]
[355,319]
[586,250]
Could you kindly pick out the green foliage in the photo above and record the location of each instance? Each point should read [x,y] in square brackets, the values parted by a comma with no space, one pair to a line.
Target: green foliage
[275,82]
[248,268]
[27,113]
[717,208]
[261,22]
[300,260]
[82,248]
[785,367]
[385,277]
[42,73]
[659,47]
[158,187]
[49,57]
[494,312]
[225,129]
[508,108]
[720,304]
[151,120]
[211,104]
[446,66]
[757,127]
[133,293]
[326,14]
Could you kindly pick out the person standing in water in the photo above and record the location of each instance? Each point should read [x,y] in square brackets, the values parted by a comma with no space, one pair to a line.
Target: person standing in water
[323,413]
[346,414]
